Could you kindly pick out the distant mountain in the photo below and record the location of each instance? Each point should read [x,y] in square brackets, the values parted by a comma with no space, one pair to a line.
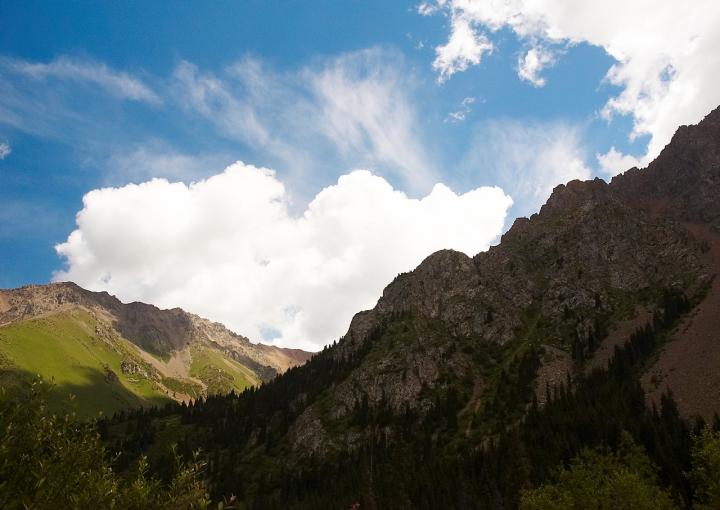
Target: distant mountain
[473,378]
[115,356]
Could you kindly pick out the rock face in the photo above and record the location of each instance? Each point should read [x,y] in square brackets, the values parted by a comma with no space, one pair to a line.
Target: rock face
[156,331]
[594,255]
[682,183]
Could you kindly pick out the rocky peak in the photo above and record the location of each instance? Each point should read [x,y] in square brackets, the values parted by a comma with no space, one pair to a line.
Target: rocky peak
[436,280]
[575,194]
[33,300]
[683,183]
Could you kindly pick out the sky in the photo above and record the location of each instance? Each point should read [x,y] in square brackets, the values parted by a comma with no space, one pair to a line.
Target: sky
[273,165]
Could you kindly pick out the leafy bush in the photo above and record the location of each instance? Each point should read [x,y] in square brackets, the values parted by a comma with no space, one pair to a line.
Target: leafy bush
[606,481]
[706,470]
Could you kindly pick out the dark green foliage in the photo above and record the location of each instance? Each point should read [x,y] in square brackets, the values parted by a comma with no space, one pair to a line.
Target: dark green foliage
[513,389]
[602,405]
[622,480]
[50,461]
[706,470]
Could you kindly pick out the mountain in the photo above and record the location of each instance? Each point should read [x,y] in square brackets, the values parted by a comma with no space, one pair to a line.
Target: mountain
[115,356]
[593,323]
[571,282]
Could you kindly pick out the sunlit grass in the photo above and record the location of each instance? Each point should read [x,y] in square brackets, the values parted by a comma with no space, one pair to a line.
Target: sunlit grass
[221,374]
[64,349]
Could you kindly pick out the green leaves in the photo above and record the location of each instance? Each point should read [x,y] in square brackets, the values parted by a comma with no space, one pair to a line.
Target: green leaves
[706,470]
[603,481]
[48,461]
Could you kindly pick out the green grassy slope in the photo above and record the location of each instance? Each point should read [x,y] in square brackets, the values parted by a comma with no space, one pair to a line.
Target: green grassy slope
[64,348]
[220,373]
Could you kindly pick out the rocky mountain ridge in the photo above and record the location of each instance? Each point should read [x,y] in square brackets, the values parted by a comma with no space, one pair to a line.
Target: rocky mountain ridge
[144,352]
[594,259]
[155,330]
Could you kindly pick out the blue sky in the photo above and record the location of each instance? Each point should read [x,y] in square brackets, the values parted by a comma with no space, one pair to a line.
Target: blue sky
[104,94]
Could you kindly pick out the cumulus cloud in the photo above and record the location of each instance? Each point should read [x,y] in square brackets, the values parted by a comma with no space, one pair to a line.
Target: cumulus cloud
[528,159]
[465,47]
[228,248]
[532,63]
[118,83]
[614,162]
[666,55]
[5,150]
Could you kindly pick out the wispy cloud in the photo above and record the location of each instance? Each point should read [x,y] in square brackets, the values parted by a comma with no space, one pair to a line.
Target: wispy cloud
[5,150]
[27,219]
[362,106]
[220,101]
[66,98]
[118,83]
[465,108]
[528,159]
[354,108]
[427,8]
[154,158]
[329,115]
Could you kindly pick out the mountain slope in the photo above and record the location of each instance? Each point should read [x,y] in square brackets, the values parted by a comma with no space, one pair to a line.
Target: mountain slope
[596,256]
[63,348]
[114,356]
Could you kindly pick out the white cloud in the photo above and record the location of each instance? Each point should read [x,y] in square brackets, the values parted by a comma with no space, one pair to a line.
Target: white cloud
[614,162]
[215,99]
[427,8]
[115,82]
[527,159]
[465,108]
[5,150]
[69,99]
[363,107]
[532,63]
[228,248]
[667,59]
[356,107]
[465,47]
